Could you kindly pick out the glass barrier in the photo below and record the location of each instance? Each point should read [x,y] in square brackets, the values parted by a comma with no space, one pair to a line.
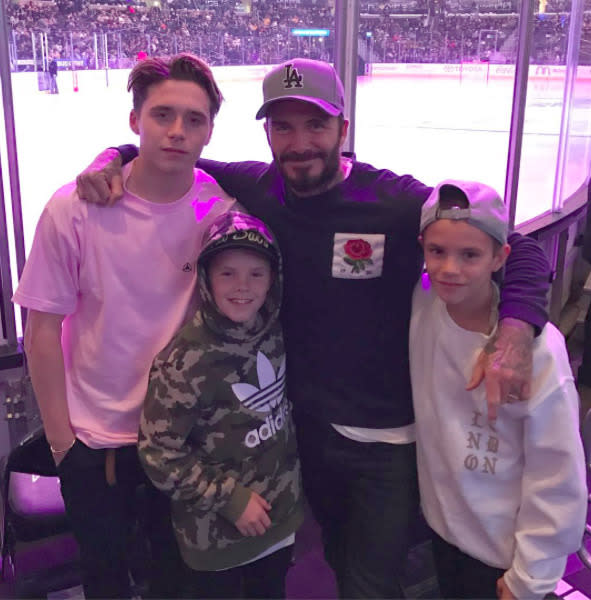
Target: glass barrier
[578,149]
[444,91]
[543,112]
[434,93]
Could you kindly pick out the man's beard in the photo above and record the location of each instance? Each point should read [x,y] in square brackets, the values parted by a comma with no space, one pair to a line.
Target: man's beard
[303,183]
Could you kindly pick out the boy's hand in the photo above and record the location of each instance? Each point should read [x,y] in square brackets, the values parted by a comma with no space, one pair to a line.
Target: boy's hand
[101,182]
[60,449]
[503,591]
[254,520]
[506,365]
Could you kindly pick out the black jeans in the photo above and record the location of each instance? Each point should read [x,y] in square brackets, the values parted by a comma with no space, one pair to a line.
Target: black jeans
[264,578]
[584,375]
[104,517]
[461,575]
[365,498]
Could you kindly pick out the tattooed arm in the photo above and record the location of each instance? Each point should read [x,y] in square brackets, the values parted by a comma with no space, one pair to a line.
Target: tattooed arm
[506,363]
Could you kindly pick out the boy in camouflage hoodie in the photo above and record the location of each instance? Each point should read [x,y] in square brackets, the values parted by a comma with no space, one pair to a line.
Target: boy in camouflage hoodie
[216,432]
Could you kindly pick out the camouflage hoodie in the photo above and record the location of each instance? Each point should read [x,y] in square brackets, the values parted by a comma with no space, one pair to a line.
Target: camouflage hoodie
[216,422]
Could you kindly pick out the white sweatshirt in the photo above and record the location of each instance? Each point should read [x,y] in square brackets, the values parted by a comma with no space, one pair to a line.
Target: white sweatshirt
[512,495]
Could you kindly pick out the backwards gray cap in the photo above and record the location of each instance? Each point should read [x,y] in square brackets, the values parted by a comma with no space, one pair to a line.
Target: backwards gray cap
[311,81]
[486,209]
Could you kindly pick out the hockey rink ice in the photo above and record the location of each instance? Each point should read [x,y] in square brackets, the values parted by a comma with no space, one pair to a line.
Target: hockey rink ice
[432,127]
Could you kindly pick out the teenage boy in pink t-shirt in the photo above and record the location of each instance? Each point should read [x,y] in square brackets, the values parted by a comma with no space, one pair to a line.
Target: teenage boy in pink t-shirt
[106,290]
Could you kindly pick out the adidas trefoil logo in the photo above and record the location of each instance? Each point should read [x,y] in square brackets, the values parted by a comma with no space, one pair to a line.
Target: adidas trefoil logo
[271,389]
[268,398]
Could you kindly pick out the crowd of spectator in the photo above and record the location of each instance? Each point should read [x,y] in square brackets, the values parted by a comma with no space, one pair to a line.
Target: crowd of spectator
[226,32]
[466,37]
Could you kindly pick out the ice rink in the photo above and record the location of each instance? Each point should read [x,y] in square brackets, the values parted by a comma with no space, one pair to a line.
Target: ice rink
[432,127]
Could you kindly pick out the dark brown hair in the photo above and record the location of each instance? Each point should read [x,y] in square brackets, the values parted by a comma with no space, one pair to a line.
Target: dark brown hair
[182,67]
[452,197]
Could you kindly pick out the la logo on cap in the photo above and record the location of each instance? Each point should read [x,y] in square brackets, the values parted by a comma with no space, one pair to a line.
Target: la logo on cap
[292,77]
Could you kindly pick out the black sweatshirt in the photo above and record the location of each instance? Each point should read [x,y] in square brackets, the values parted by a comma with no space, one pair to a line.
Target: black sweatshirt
[347,338]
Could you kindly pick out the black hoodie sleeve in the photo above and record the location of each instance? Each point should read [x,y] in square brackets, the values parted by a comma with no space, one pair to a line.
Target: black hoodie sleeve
[128,153]
[237,178]
[526,283]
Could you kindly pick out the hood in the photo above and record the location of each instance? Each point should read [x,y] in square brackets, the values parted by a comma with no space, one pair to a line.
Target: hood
[232,230]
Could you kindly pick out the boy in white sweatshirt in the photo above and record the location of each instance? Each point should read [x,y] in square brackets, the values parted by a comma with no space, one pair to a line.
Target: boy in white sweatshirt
[506,499]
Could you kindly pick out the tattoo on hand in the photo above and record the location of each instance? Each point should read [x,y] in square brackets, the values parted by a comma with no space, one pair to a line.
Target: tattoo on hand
[513,346]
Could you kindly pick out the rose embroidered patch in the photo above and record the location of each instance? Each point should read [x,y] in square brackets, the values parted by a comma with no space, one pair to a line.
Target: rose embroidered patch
[358,255]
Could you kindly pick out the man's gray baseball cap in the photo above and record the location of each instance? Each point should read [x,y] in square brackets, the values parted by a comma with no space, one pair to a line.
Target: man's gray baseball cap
[311,81]
[486,209]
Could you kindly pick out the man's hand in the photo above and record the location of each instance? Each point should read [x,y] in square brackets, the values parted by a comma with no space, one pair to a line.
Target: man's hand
[506,365]
[503,591]
[254,520]
[101,182]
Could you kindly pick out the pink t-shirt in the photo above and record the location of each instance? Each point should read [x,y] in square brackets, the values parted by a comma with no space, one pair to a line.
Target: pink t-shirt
[124,277]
